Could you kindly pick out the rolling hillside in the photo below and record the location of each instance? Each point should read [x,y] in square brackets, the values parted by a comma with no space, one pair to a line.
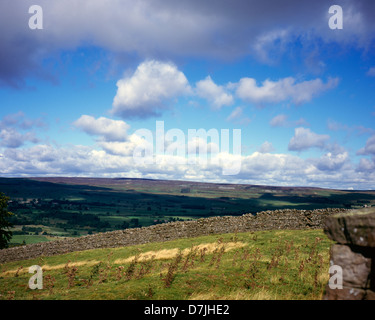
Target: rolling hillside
[55,207]
[264,265]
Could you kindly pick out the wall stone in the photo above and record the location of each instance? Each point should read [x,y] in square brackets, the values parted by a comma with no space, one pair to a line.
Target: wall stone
[354,252]
[356,268]
[266,220]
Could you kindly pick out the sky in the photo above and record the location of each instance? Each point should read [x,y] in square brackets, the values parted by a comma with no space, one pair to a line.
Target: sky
[266,92]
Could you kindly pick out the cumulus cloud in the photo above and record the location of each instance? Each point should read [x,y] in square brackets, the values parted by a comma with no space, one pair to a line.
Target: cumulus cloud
[267,166]
[366,165]
[148,91]
[215,94]
[124,148]
[45,159]
[21,121]
[256,168]
[13,127]
[151,88]
[285,89]
[304,139]
[200,146]
[266,147]
[369,148]
[332,161]
[113,137]
[108,129]
[11,138]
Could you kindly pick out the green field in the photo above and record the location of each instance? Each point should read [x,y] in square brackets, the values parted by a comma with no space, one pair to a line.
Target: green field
[19,239]
[265,265]
[80,206]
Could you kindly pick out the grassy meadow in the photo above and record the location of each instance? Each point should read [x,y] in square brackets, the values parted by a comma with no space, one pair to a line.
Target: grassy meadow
[263,265]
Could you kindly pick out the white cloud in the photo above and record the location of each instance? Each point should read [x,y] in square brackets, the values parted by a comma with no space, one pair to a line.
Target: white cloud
[281,120]
[11,138]
[332,161]
[147,92]
[366,165]
[215,94]
[20,121]
[270,41]
[272,167]
[369,148]
[282,90]
[237,116]
[108,129]
[333,170]
[200,146]
[125,148]
[266,147]
[304,139]
[13,127]
[151,88]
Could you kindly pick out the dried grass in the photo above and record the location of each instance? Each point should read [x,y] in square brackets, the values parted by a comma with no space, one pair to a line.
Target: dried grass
[166,254]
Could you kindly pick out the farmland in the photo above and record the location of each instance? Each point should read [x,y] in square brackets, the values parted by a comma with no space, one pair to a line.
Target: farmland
[50,208]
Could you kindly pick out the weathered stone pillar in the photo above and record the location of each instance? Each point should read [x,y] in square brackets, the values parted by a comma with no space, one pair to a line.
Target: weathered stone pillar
[354,252]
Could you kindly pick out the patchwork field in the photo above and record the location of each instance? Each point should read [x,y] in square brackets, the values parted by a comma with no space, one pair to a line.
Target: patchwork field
[61,207]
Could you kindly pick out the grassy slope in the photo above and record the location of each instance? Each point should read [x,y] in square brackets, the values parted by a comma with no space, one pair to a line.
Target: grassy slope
[279,264]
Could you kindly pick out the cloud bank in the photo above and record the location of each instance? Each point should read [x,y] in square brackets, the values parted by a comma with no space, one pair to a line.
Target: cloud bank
[165,29]
[257,168]
[282,90]
[151,89]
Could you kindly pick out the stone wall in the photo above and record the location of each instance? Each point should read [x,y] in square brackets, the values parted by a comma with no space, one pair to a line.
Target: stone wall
[354,253]
[266,220]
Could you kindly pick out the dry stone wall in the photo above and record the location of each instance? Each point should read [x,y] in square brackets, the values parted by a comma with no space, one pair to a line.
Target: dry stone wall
[266,220]
[354,254]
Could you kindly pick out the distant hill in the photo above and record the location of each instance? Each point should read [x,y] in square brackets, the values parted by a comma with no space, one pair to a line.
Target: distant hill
[66,206]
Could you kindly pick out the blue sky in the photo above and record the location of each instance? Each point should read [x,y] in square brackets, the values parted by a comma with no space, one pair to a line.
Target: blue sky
[75,94]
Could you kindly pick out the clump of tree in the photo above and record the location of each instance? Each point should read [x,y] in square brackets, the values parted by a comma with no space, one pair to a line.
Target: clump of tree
[5,233]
